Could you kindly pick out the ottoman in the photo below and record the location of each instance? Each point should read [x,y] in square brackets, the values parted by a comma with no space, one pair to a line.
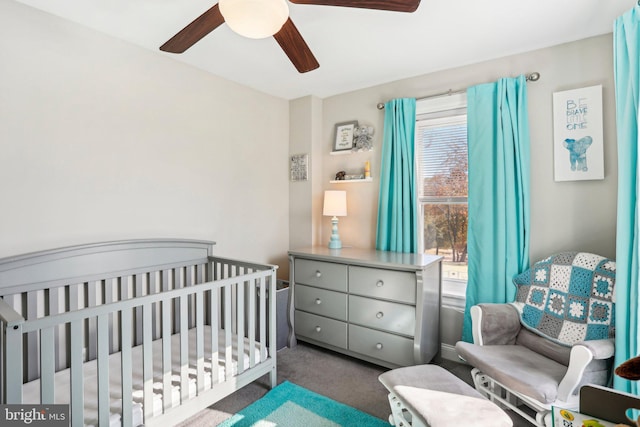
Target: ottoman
[431,396]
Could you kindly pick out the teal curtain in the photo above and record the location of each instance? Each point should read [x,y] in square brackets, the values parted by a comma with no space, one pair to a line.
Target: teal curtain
[397,228]
[498,228]
[626,35]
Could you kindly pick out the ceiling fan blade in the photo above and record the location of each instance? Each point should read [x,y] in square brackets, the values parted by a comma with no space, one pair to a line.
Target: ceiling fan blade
[192,33]
[291,41]
[392,5]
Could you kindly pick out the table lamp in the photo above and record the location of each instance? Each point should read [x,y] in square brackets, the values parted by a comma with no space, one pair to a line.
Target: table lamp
[335,205]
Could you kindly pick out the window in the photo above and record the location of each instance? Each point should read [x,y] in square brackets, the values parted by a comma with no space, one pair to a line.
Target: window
[441,152]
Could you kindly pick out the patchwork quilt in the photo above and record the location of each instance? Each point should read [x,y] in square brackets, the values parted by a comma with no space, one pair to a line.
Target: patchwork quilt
[568,297]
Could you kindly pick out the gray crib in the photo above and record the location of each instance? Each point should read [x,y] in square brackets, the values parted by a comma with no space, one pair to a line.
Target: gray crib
[134,332]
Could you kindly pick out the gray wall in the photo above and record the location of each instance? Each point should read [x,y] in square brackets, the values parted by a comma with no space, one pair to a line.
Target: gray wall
[102,140]
[579,215]
[305,137]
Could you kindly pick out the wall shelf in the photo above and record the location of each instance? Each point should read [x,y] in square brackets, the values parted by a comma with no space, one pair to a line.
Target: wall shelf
[345,181]
[343,152]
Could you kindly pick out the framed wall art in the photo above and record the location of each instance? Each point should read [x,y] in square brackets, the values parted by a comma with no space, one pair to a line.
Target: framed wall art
[344,136]
[578,145]
[299,167]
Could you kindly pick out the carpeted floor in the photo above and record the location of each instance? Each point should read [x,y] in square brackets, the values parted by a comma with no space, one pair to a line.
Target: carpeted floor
[288,404]
[333,375]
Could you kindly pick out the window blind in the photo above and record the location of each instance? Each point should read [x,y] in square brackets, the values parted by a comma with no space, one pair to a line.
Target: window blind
[442,157]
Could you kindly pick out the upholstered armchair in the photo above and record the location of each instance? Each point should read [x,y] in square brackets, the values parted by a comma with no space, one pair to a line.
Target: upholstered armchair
[557,336]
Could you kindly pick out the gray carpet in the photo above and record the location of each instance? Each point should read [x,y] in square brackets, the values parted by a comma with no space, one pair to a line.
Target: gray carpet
[338,377]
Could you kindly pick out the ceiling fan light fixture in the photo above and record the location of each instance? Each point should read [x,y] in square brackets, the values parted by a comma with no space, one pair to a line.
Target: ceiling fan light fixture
[255,19]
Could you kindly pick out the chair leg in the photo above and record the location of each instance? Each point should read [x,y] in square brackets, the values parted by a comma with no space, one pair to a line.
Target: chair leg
[493,390]
[397,417]
[400,415]
[544,418]
[481,382]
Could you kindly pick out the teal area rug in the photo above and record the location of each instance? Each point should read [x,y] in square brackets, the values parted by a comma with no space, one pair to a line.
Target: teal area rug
[289,405]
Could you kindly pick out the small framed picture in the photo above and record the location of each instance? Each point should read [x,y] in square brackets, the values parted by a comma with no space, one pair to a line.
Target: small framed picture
[344,136]
[299,167]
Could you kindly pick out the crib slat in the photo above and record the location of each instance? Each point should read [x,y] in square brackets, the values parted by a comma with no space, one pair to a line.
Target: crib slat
[113,325]
[31,301]
[147,360]
[91,300]
[189,281]
[13,351]
[77,380]
[252,324]
[166,355]
[163,286]
[240,330]
[200,342]
[177,284]
[263,319]
[127,373]
[228,344]
[59,350]
[139,285]
[153,289]
[103,369]
[47,365]
[214,312]
[184,349]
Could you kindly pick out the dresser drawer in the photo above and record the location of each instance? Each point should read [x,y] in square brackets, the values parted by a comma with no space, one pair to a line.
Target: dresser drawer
[387,284]
[388,316]
[323,329]
[322,302]
[321,274]
[381,345]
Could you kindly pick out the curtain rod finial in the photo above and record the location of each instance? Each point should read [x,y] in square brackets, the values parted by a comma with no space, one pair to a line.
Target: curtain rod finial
[533,77]
[380,106]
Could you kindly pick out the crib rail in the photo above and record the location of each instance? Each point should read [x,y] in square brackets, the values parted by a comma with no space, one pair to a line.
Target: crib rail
[216,309]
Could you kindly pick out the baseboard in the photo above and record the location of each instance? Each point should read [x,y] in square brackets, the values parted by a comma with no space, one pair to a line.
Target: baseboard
[447,351]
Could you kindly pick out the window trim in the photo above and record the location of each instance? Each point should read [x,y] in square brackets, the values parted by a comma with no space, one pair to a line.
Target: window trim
[441,103]
[444,106]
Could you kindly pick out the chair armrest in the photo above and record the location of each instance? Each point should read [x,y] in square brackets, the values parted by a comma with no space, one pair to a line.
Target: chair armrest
[601,349]
[495,324]
[582,353]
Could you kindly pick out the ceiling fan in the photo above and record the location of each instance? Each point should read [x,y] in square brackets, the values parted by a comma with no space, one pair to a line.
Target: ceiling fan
[264,18]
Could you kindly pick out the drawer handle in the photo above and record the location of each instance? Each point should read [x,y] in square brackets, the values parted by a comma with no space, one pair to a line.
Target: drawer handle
[379,315]
[318,301]
[318,329]
[318,273]
[379,346]
[379,283]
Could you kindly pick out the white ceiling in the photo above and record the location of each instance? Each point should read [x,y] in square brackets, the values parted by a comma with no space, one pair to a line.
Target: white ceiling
[356,48]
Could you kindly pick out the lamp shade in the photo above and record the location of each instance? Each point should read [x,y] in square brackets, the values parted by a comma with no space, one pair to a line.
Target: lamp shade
[335,203]
[255,19]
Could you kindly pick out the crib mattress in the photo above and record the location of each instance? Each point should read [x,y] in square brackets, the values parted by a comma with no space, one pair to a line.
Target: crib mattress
[31,390]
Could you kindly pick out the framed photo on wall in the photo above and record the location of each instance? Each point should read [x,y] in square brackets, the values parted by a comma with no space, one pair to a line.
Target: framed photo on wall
[299,167]
[344,136]
[578,144]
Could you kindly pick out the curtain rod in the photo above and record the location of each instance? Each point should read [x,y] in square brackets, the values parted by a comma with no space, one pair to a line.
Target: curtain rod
[533,77]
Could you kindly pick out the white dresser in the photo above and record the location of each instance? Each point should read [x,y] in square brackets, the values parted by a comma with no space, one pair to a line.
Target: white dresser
[382,307]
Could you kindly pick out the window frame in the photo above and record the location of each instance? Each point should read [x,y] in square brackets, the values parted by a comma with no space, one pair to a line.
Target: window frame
[445,106]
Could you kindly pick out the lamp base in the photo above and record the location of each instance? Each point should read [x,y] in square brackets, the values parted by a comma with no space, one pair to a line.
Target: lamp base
[335,244]
[334,241]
